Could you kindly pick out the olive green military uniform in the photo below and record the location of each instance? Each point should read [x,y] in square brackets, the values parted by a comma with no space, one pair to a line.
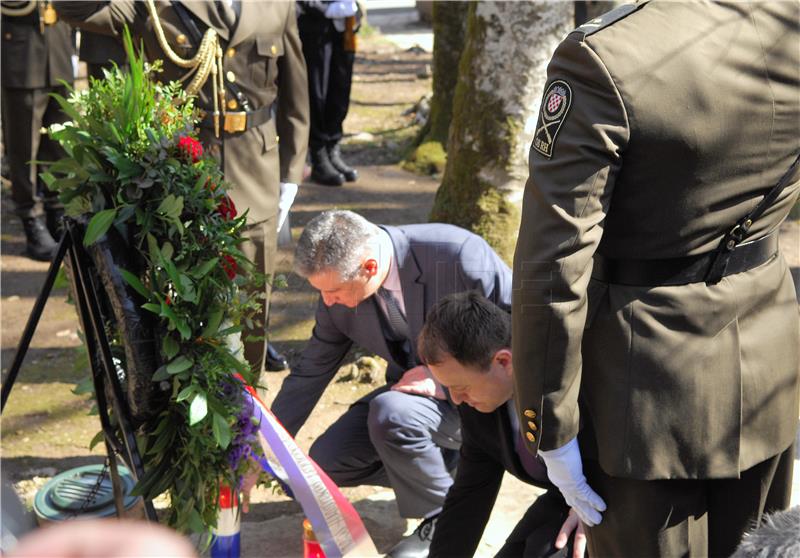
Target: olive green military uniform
[662,124]
[263,57]
[35,58]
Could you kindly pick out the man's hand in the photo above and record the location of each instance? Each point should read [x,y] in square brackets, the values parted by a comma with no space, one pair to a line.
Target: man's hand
[572,523]
[419,381]
[248,482]
[565,470]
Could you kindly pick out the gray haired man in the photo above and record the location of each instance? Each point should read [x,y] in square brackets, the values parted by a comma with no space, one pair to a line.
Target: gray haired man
[376,285]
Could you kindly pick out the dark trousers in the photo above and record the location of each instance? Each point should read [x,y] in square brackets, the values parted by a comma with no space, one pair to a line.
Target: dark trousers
[685,517]
[535,534]
[330,73]
[388,438]
[25,112]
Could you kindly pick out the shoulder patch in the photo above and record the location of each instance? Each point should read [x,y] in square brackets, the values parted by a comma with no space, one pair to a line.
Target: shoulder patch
[556,102]
[608,18]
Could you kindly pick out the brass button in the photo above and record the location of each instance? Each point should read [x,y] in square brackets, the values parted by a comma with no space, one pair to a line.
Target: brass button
[532,426]
[181,39]
[531,437]
[230,76]
[232,104]
[277,138]
[230,52]
[273,49]
[7,36]
[529,413]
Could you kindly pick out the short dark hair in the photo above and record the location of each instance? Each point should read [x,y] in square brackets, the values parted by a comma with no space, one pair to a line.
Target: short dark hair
[467,327]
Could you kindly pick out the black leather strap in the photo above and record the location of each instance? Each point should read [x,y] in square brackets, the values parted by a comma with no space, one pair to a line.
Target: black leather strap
[682,271]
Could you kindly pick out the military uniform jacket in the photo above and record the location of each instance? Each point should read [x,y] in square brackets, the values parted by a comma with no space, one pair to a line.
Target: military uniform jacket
[661,125]
[262,54]
[30,59]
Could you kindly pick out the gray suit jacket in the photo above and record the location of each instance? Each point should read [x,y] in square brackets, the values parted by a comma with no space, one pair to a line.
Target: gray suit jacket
[434,260]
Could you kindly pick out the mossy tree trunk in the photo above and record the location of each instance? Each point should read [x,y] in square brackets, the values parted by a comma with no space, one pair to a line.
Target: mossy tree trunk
[500,84]
[449,32]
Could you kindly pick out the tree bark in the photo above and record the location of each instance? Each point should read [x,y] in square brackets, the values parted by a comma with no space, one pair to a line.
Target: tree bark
[500,84]
[449,32]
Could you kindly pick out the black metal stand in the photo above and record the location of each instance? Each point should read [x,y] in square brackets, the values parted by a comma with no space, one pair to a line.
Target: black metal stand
[104,372]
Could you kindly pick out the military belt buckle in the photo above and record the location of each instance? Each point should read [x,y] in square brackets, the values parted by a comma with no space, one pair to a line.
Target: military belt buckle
[235,122]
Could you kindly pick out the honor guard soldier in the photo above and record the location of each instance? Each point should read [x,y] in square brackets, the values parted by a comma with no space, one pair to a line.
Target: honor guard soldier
[256,109]
[36,57]
[327,30]
[655,322]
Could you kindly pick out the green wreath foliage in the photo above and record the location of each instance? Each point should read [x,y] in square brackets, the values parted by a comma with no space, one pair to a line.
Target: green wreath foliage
[133,163]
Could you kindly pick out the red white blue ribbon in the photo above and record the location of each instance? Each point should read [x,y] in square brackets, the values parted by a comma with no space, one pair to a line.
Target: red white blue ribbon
[336,523]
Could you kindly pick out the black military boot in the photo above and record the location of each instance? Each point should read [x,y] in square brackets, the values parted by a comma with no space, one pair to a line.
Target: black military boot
[335,155]
[39,244]
[54,223]
[322,171]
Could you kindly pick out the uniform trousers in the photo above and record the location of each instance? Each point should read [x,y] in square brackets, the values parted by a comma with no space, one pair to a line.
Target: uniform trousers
[535,534]
[25,112]
[685,517]
[330,73]
[388,438]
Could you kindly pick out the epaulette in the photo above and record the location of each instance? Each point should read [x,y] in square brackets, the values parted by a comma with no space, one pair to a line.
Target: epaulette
[593,26]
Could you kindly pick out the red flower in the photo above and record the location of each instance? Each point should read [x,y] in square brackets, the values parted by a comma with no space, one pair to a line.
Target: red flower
[168,301]
[190,148]
[227,209]
[229,265]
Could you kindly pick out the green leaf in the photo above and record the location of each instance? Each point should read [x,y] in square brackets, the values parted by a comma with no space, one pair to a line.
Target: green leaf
[161,374]
[222,432]
[180,364]
[214,319]
[196,521]
[170,347]
[134,282]
[98,226]
[167,250]
[99,437]
[152,248]
[198,409]
[86,385]
[185,393]
[154,308]
[205,267]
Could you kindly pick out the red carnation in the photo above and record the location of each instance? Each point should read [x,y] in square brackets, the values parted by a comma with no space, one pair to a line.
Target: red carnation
[226,208]
[190,148]
[229,265]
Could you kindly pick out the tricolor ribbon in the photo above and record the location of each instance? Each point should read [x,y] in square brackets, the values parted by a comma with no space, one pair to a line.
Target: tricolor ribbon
[335,521]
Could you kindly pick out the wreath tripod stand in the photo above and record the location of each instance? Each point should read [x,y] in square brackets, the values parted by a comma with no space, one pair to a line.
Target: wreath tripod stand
[118,427]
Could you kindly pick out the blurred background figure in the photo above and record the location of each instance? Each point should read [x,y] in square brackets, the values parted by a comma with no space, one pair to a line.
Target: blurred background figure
[100,52]
[35,58]
[327,31]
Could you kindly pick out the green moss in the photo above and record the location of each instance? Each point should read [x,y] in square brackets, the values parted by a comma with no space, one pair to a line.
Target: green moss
[428,158]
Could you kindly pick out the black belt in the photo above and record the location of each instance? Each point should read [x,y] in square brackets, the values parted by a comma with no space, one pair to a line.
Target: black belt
[239,121]
[682,271]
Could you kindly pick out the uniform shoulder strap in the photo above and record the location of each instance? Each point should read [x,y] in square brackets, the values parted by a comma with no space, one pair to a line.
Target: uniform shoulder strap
[609,18]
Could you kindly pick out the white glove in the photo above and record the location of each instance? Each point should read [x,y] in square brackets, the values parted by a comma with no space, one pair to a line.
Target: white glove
[565,470]
[337,10]
[288,192]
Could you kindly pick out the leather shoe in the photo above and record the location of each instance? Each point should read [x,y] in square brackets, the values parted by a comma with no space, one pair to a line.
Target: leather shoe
[322,170]
[418,543]
[276,362]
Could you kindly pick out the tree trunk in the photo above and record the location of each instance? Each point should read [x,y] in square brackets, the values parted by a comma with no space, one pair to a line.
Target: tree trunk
[501,80]
[449,31]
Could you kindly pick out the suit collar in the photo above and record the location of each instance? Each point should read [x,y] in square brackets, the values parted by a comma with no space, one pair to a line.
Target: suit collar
[207,13]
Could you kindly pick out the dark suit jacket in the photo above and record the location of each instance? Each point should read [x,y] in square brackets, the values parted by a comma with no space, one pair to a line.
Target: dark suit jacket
[659,150]
[487,452]
[434,260]
[263,54]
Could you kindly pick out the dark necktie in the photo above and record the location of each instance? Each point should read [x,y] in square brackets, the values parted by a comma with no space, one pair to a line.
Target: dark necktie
[226,13]
[394,316]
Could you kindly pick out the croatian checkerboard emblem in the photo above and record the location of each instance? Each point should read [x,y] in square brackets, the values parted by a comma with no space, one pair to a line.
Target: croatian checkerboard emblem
[555,106]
